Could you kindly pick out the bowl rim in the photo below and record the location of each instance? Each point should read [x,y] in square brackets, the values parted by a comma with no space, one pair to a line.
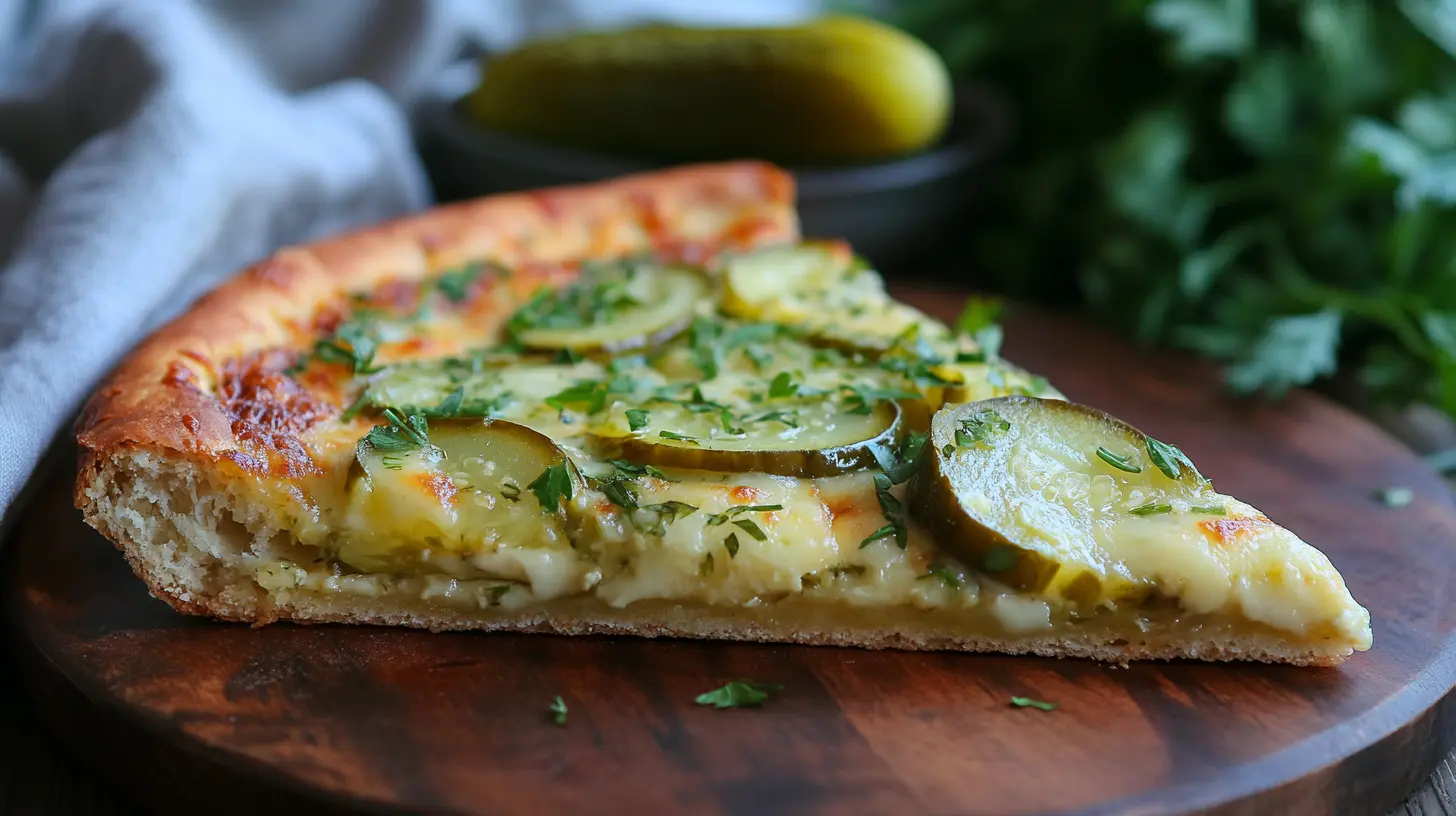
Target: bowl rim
[980,126]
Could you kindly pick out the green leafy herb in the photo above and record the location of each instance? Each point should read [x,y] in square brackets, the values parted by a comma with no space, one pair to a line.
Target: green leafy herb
[455,284]
[861,399]
[620,493]
[352,344]
[1151,509]
[1395,497]
[598,296]
[707,566]
[947,449]
[719,518]
[783,386]
[731,542]
[557,711]
[788,418]
[636,419]
[1271,186]
[1169,459]
[945,574]
[1119,462]
[738,694]
[654,518]
[552,486]
[587,396]
[752,528]
[980,428]
[894,514]
[511,491]
[900,467]
[677,436]
[401,435]
[1209,509]
[498,593]
[627,469]
[1027,702]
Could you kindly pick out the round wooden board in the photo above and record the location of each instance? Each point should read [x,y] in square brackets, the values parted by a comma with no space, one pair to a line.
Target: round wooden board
[207,717]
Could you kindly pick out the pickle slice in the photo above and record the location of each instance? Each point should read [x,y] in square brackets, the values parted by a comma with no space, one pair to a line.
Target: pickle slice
[470,486]
[821,289]
[1055,498]
[808,440]
[611,308]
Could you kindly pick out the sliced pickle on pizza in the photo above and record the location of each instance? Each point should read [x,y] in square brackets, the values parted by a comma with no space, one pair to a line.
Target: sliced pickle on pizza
[462,497]
[807,439]
[822,290]
[1068,504]
[610,308]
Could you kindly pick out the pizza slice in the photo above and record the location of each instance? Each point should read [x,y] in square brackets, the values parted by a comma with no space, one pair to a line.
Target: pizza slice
[647,407]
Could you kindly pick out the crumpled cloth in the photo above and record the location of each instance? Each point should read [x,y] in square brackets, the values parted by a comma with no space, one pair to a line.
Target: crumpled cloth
[149,148]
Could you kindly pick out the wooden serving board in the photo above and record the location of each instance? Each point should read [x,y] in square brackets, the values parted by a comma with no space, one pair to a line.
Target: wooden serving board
[196,716]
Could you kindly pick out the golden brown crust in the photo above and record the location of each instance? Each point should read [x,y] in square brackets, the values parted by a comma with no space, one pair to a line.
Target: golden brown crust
[162,395]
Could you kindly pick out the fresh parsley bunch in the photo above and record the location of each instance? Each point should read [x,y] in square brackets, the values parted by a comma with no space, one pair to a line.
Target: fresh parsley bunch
[1272,184]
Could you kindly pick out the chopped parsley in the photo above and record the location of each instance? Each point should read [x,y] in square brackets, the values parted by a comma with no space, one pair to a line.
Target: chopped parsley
[901,466]
[352,344]
[597,297]
[511,491]
[677,436]
[1151,509]
[1209,509]
[401,435]
[1119,462]
[748,526]
[620,493]
[455,284]
[1169,459]
[1027,702]
[979,428]
[557,710]
[861,399]
[552,486]
[731,542]
[894,513]
[624,468]
[654,518]
[719,518]
[499,592]
[588,396]
[738,694]
[789,418]
[945,574]
[636,419]
[783,386]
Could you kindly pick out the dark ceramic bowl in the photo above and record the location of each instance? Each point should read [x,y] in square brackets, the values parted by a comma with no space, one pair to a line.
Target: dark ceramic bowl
[897,213]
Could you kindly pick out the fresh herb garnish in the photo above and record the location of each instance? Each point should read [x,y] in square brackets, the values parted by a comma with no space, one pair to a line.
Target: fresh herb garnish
[731,542]
[656,517]
[624,468]
[947,449]
[901,466]
[945,574]
[1209,509]
[1151,509]
[1027,702]
[718,518]
[455,284]
[597,297]
[979,428]
[552,486]
[748,526]
[789,418]
[352,344]
[678,437]
[1169,459]
[861,399]
[498,593]
[636,419]
[557,710]
[783,386]
[620,493]
[1119,462]
[588,396]
[894,513]
[401,435]
[511,491]
[738,694]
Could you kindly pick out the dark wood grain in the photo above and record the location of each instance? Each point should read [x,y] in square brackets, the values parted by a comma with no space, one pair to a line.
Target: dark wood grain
[190,715]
